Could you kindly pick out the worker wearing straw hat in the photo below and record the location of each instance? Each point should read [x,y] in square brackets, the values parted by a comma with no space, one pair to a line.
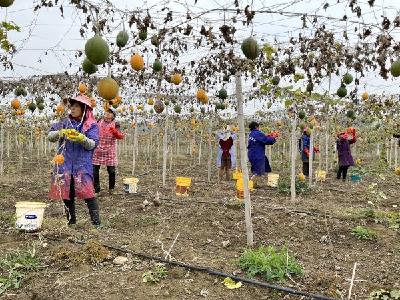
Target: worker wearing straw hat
[77,135]
[226,158]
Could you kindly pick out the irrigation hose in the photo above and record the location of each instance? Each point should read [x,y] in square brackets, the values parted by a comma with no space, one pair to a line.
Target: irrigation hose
[214,272]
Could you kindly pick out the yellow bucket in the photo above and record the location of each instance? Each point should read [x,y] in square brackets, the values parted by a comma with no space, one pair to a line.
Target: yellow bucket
[239,187]
[182,186]
[273,180]
[130,185]
[29,215]
[320,175]
[236,175]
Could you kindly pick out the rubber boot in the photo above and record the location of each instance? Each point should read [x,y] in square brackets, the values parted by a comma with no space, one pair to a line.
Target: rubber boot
[93,212]
[69,206]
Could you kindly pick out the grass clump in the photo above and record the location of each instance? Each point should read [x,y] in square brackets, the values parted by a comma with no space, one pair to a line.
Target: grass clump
[156,274]
[301,187]
[363,233]
[92,253]
[14,268]
[384,295]
[272,264]
[143,221]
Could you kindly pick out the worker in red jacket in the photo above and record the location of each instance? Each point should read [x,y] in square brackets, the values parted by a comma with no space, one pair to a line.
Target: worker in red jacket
[105,153]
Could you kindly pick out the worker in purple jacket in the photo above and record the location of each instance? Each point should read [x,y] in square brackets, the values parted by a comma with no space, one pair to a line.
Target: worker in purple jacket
[77,137]
[344,153]
[256,152]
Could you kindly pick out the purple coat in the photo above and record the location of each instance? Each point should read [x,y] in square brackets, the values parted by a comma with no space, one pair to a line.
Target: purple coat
[344,152]
[77,164]
[256,152]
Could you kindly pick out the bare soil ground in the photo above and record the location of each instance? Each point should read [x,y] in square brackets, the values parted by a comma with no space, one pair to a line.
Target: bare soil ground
[316,229]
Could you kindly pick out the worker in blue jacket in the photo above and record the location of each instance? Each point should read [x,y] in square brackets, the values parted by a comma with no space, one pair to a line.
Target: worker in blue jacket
[256,152]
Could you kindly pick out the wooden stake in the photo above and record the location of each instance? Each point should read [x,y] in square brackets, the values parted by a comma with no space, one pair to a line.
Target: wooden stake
[327,147]
[209,150]
[311,158]
[165,148]
[243,161]
[352,280]
[293,160]
[1,149]
[134,145]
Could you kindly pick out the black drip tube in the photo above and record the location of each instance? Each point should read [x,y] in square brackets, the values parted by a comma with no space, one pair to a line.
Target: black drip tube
[215,272]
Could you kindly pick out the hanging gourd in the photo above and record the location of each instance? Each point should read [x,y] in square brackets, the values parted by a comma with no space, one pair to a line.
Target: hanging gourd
[32,106]
[122,39]
[157,66]
[137,62]
[59,159]
[88,67]
[347,78]
[15,104]
[20,91]
[395,68]
[365,96]
[107,88]
[250,48]
[82,88]
[97,50]
[222,94]
[176,78]
[143,34]
[158,106]
[6,3]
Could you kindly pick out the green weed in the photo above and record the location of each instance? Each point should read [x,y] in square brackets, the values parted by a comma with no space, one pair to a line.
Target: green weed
[384,295]
[363,233]
[146,221]
[272,264]
[14,268]
[8,218]
[156,274]
[301,187]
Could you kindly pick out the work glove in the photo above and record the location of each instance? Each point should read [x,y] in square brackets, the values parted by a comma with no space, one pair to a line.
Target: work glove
[274,134]
[307,152]
[63,132]
[76,137]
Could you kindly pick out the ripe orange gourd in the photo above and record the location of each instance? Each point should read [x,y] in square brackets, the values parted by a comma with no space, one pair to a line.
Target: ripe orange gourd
[60,109]
[82,88]
[59,159]
[137,62]
[15,104]
[176,78]
[202,96]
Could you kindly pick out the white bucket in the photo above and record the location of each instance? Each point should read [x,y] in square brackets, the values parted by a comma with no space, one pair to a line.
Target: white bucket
[29,215]
[130,185]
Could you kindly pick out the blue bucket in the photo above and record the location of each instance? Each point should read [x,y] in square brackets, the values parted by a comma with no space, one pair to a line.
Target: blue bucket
[355,178]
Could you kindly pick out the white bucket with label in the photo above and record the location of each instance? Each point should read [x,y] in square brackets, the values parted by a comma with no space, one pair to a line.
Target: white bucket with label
[29,215]
[130,185]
